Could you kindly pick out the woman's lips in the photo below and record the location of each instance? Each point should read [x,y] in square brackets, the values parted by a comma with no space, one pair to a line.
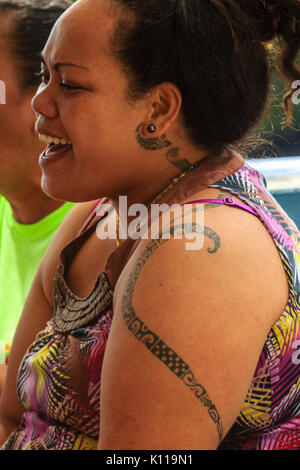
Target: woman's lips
[54,152]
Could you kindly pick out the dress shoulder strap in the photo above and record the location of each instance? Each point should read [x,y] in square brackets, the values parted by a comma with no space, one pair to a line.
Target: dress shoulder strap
[228,201]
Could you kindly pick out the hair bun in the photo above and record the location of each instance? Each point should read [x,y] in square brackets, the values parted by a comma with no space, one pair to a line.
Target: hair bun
[277,18]
[273,17]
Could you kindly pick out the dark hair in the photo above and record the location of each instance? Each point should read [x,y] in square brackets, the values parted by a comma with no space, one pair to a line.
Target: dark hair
[214,51]
[32,21]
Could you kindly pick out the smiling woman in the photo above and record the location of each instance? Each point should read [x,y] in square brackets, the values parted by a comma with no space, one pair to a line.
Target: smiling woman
[142,344]
[81,80]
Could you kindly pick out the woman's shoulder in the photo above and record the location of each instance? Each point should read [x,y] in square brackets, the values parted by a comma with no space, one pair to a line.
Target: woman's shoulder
[197,317]
[220,241]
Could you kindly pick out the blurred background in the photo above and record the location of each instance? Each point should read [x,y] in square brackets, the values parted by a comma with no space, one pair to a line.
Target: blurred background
[280,161]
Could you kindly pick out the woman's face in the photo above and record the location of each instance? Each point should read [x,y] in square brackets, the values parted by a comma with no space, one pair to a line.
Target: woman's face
[20,146]
[83,100]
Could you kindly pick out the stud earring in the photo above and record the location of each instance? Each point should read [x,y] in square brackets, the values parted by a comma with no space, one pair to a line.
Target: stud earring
[151,128]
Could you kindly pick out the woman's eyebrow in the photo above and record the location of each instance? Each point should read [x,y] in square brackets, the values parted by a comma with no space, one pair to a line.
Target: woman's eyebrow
[57,65]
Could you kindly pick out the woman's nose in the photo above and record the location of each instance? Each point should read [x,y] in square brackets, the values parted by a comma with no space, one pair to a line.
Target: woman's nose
[43,103]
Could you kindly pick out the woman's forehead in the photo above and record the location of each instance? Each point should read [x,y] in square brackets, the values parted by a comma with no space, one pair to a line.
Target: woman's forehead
[83,31]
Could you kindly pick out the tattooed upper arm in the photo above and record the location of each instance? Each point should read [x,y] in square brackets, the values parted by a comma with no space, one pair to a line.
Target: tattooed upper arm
[181,355]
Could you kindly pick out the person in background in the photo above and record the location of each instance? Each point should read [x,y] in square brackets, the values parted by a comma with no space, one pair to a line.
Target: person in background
[28,217]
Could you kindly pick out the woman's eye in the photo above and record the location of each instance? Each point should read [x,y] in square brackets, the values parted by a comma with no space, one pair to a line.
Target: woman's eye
[44,77]
[67,87]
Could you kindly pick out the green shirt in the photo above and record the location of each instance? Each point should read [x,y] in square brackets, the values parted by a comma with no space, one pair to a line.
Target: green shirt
[21,249]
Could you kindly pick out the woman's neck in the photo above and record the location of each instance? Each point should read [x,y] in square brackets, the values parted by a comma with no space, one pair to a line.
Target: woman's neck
[32,206]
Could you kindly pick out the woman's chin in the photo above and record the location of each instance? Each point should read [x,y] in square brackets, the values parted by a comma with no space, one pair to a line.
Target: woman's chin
[53,190]
[62,192]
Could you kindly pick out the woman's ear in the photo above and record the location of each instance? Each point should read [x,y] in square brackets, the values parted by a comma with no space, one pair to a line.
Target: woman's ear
[164,106]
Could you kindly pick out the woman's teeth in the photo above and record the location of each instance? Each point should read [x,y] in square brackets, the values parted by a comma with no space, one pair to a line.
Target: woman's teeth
[53,140]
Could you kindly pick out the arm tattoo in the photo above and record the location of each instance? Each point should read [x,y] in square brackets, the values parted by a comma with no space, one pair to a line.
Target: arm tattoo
[160,143]
[194,228]
[208,232]
[156,345]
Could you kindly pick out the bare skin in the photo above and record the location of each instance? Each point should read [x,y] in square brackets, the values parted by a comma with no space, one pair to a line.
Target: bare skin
[203,308]
[3,371]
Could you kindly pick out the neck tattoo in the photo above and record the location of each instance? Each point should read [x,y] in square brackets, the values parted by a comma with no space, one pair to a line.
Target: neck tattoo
[172,155]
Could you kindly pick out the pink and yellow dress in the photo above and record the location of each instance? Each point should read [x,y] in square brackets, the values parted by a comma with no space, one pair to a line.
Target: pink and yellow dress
[59,379]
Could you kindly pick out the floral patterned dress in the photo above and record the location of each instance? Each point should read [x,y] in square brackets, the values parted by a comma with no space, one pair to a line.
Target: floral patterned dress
[59,379]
